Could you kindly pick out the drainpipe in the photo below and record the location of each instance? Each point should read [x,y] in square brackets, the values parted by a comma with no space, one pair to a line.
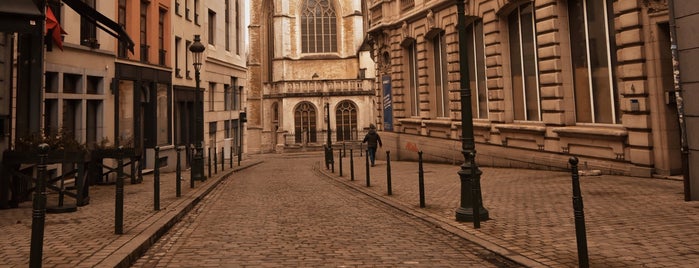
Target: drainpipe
[680,102]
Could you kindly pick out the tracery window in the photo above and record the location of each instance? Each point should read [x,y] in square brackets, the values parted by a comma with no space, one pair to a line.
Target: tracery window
[346,121]
[305,123]
[318,27]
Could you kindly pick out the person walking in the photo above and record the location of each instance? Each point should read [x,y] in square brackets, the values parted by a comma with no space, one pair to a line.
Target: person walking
[372,139]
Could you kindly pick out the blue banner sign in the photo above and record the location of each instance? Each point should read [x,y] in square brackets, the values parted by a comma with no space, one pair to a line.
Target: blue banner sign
[387,103]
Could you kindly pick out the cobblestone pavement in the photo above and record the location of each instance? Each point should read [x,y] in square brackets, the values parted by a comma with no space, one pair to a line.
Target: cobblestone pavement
[86,238]
[281,214]
[631,222]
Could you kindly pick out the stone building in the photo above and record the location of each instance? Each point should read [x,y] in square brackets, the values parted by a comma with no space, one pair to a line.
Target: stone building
[550,79]
[305,66]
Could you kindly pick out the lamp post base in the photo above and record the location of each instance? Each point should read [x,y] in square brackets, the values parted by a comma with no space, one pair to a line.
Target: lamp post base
[466,214]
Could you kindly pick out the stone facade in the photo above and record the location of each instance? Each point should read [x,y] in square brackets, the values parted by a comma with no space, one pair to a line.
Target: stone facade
[530,81]
[297,70]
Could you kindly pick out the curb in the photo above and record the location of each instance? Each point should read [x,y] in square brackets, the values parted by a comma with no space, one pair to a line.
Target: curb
[436,221]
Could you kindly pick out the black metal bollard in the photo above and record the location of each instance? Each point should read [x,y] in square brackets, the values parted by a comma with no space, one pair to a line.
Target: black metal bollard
[366,162]
[231,157]
[215,162]
[190,151]
[421,180]
[39,209]
[388,173]
[580,233]
[351,165]
[156,180]
[340,158]
[223,160]
[209,162]
[361,148]
[240,155]
[332,160]
[476,192]
[178,173]
[119,209]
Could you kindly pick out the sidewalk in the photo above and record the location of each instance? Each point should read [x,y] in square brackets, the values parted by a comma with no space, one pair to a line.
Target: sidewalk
[630,222]
[93,225]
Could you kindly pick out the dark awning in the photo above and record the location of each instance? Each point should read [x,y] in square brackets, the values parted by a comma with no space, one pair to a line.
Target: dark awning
[20,16]
[101,21]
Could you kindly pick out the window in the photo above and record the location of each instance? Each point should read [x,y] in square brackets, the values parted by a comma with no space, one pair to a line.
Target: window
[212,134]
[162,53]
[227,22]
[88,31]
[227,97]
[188,73]
[196,12]
[126,112]
[122,22]
[237,27]
[269,60]
[476,69]
[186,10]
[94,85]
[178,46]
[413,94]
[593,57]
[212,96]
[318,27]
[72,83]
[93,122]
[236,94]
[441,84]
[523,63]
[163,114]
[144,31]
[305,123]
[212,27]
[177,8]
[346,121]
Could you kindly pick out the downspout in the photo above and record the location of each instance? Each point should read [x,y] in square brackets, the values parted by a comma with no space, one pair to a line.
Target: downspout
[680,102]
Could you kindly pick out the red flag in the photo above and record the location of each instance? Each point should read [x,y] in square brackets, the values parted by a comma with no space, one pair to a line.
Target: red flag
[52,24]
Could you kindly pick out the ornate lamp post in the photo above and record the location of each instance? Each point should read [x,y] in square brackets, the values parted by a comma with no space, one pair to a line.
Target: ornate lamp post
[197,49]
[329,147]
[471,208]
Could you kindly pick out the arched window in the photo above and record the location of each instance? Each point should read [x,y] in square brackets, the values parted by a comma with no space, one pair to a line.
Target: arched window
[476,69]
[318,27]
[346,121]
[305,123]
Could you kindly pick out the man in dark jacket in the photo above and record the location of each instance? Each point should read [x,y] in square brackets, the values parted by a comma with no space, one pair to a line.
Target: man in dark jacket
[372,139]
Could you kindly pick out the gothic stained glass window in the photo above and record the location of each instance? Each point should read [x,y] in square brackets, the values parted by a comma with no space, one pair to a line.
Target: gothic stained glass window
[318,27]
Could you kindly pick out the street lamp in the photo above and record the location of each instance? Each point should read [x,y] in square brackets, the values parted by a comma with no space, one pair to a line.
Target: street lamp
[197,49]
[471,208]
[329,149]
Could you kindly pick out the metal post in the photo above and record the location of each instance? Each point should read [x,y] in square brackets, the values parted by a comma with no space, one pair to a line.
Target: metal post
[209,162]
[191,177]
[231,157]
[197,170]
[332,163]
[215,160]
[476,192]
[240,154]
[361,148]
[580,235]
[119,209]
[469,173]
[351,165]
[340,157]
[388,172]
[223,160]
[178,173]
[421,180]
[39,209]
[156,180]
[366,162]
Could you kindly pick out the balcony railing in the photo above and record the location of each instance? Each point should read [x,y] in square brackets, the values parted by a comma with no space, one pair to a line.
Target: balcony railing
[317,86]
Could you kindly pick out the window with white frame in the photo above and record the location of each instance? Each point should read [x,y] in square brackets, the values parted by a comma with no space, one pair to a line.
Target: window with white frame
[441,83]
[523,63]
[476,69]
[593,57]
[413,95]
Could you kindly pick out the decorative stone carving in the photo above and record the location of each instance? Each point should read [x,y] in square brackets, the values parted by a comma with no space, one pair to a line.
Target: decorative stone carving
[430,19]
[655,5]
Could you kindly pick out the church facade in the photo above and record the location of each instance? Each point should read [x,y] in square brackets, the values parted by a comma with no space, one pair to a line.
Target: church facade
[307,75]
